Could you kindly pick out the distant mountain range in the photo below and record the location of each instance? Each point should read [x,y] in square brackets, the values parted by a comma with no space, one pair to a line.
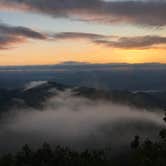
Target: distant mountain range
[34,96]
[131,77]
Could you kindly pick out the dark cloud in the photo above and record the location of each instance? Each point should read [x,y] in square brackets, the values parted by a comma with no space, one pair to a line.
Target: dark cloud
[21,31]
[7,40]
[77,35]
[114,41]
[147,12]
[134,42]
[12,35]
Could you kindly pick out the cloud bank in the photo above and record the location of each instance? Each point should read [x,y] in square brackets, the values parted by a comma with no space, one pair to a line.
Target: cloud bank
[141,12]
[78,123]
[135,42]
[10,36]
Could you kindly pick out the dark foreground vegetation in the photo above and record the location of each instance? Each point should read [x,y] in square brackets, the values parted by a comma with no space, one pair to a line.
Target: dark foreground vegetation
[146,153]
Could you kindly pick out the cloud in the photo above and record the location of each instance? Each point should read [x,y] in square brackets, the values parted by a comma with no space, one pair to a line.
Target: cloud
[21,31]
[34,84]
[12,35]
[77,35]
[6,41]
[77,122]
[147,12]
[136,42]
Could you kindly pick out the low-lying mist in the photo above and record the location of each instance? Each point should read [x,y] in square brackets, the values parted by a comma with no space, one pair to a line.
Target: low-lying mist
[79,123]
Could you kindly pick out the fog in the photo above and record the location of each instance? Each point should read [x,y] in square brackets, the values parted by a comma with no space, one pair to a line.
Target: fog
[34,84]
[79,123]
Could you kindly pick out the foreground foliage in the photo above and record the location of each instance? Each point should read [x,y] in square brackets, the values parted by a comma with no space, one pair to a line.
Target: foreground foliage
[147,153]
[59,156]
[150,153]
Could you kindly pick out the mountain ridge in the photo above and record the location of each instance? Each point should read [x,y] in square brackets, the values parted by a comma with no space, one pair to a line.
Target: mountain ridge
[35,97]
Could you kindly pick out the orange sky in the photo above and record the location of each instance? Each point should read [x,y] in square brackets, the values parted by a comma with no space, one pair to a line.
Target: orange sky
[83,51]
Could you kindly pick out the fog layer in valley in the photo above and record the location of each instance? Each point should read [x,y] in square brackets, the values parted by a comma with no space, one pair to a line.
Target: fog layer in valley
[78,123]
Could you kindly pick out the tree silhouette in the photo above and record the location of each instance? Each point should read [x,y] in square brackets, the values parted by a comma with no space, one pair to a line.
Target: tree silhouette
[135,143]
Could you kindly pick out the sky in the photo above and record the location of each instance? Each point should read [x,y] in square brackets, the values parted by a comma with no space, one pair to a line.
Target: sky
[35,32]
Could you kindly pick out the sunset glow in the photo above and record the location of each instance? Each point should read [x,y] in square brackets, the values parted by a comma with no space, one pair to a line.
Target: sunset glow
[30,36]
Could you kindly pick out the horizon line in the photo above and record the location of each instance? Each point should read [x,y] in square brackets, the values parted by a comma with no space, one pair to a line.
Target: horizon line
[77,63]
